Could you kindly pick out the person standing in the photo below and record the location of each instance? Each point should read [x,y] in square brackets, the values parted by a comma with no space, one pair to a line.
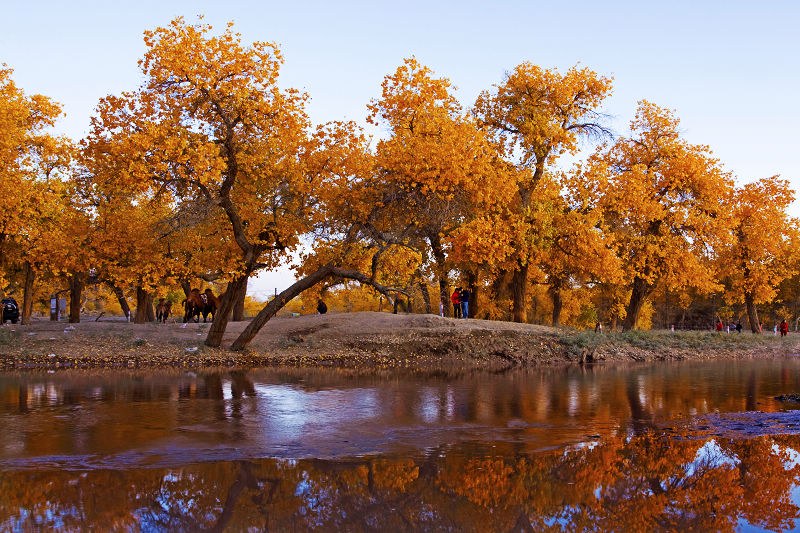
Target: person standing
[719,326]
[455,298]
[465,294]
[784,328]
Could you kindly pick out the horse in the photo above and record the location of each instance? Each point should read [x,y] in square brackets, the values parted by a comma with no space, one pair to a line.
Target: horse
[193,305]
[162,310]
[210,304]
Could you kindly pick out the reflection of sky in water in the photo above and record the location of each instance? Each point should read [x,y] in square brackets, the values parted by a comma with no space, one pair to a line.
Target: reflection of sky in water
[289,412]
[429,405]
[710,455]
[574,400]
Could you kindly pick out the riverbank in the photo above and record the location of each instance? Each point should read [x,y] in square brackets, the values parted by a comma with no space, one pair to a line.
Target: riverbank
[363,340]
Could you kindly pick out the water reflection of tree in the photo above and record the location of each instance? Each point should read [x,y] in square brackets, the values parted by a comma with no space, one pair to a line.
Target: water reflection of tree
[647,482]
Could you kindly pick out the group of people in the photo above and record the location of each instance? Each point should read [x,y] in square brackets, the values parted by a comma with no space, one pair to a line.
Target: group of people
[460,300]
[782,328]
[731,327]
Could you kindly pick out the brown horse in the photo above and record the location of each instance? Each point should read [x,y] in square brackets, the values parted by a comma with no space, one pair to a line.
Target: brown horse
[193,306]
[210,304]
[162,310]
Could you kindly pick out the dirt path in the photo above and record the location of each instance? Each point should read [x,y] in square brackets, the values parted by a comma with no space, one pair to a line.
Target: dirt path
[359,340]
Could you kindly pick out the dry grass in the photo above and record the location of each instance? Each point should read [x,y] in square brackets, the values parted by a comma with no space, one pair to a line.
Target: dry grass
[356,340]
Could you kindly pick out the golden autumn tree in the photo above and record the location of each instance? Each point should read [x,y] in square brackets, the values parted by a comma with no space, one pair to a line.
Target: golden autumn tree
[574,249]
[145,239]
[33,164]
[764,248]
[210,123]
[537,115]
[664,201]
[350,238]
[435,169]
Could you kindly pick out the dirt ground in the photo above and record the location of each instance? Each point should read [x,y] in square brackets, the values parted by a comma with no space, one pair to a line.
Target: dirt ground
[350,340]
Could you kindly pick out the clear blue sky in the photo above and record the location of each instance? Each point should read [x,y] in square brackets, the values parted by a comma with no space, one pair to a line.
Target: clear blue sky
[729,69]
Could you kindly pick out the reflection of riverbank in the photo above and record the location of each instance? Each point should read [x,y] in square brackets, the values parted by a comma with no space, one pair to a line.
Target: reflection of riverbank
[645,483]
[363,340]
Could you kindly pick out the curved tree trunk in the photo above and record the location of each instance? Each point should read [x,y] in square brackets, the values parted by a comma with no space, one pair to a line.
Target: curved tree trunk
[519,293]
[27,295]
[76,284]
[641,290]
[123,302]
[752,312]
[238,303]
[275,305]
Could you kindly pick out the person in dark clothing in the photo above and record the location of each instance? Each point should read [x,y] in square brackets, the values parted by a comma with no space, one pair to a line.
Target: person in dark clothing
[738,327]
[321,307]
[464,299]
[455,298]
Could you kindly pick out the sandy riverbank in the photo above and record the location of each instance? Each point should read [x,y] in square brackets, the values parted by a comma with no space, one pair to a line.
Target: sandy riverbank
[362,340]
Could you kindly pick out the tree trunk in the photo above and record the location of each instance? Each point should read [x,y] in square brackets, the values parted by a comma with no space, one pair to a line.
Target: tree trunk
[76,283]
[123,302]
[225,310]
[641,289]
[499,291]
[472,283]
[444,295]
[187,287]
[558,303]
[27,298]
[426,295]
[144,307]
[274,305]
[752,312]
[238,303]
[519,293]
[441,272]
[151,311]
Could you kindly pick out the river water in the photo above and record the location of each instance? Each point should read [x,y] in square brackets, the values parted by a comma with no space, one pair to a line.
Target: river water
[667,446]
